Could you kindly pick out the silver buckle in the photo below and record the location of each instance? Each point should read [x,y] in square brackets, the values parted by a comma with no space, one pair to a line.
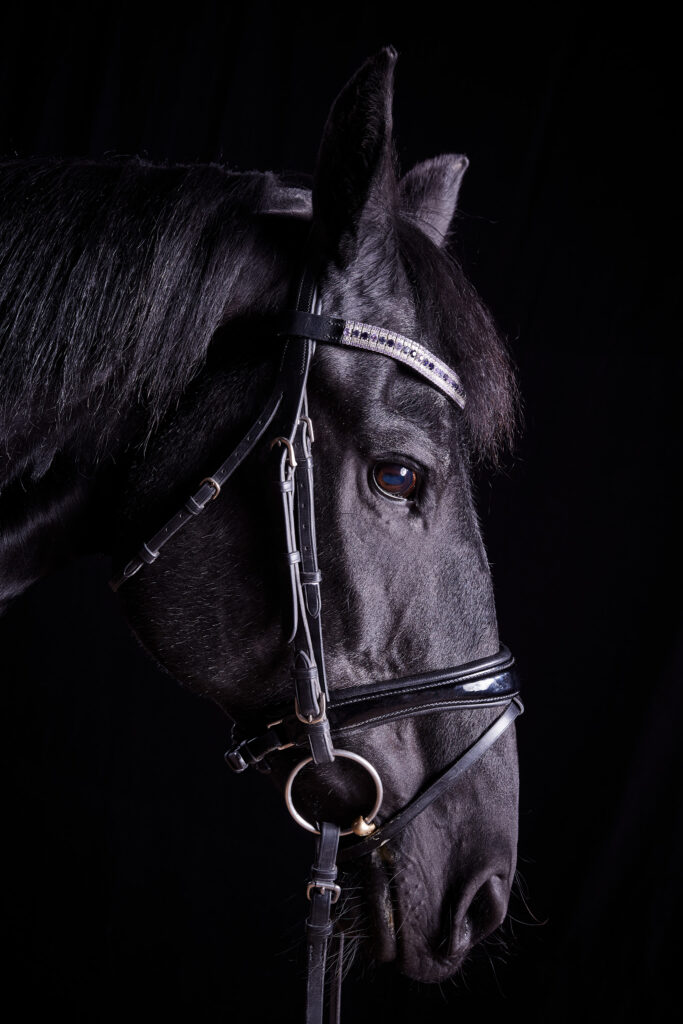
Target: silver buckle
[290,450]
[309,719]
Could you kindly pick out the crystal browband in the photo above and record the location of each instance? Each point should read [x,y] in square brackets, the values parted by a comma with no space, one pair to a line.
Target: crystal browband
[356,334]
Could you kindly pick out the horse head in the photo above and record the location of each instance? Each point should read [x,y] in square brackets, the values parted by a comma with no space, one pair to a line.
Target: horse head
[406,584]
[138,347]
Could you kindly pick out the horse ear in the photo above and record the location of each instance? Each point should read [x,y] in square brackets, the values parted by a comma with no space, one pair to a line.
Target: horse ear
[429,194]
[354,185]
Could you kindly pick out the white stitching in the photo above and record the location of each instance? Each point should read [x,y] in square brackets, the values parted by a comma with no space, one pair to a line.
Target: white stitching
[481,673]
[403,712]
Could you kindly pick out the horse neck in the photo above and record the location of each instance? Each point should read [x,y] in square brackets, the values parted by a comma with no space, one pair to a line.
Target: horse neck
[56,478]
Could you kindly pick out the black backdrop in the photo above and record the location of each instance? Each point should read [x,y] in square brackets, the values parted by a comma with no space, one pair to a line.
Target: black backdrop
[132,855]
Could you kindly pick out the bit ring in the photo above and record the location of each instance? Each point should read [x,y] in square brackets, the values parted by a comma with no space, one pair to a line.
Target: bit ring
[350,756]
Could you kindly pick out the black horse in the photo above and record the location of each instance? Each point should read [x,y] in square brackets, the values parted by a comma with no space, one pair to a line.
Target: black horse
[135,353]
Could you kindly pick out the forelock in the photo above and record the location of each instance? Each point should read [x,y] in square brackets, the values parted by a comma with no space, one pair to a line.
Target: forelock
[457,325]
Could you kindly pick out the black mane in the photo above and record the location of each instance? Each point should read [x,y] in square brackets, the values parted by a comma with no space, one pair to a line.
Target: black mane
[452,312]
[116,274]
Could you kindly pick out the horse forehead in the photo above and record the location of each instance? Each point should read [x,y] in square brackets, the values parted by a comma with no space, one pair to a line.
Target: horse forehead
[368,390]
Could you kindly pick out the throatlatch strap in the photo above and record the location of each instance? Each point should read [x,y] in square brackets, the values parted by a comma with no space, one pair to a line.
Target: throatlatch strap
[322,891]
[208,490]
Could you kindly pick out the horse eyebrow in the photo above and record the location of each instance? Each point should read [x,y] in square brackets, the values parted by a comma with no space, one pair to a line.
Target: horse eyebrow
[415,400]
[401,399]
[404,421]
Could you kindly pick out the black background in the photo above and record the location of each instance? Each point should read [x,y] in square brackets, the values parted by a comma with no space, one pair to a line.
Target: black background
[142,879]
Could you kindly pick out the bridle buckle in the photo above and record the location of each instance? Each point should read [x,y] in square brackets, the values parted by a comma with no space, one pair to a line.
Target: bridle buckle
[324,887]
[212,483]
[309,719]
[291,458]
[307,435]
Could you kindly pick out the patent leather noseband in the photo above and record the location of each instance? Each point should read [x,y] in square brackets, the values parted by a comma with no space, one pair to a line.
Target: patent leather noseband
[322,720]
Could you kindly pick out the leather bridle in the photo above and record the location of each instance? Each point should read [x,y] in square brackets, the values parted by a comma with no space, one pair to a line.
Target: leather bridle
[320,716]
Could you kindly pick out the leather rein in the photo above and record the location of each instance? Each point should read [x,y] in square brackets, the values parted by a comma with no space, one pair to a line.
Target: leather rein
[320,714]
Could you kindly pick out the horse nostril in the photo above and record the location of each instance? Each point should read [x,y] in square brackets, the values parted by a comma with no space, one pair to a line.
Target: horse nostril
[483,914]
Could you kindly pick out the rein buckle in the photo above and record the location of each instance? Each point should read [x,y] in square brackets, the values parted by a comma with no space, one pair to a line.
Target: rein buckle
[324,886]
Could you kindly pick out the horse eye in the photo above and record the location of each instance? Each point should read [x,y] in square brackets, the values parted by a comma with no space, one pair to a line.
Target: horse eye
[394,480]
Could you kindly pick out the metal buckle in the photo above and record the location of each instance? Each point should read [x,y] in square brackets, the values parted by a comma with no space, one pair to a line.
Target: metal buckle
[214,483]
[324,886]
[290,450]
[309,424]
[309,719]
[235,761]
[283,746]
[307,435]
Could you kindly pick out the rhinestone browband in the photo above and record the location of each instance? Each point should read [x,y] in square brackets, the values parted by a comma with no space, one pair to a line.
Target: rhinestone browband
[397,346]
[356,334]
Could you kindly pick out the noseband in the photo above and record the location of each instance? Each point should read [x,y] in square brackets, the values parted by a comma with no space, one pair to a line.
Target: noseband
[322,718]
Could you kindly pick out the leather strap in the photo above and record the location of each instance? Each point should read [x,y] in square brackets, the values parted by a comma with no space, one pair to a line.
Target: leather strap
[309,324]
[481,677]
[337,978]
[468,687]
[309,570]
[208,490]
[487,682]
[322,891]
[336,984]
[398,822]
[296,468]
